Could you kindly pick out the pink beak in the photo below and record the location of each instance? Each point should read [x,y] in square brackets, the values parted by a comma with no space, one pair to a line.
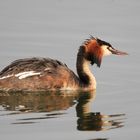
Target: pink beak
[117,52]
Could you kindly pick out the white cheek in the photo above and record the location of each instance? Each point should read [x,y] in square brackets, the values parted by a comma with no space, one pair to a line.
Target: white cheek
[105,50]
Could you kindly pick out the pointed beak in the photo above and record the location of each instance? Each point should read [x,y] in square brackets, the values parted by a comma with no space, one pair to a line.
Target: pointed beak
[117,52]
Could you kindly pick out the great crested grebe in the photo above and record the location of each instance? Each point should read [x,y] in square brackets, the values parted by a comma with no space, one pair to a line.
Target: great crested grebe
[35,74]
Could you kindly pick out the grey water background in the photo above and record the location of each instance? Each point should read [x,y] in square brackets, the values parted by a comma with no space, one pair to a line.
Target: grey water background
[56,29]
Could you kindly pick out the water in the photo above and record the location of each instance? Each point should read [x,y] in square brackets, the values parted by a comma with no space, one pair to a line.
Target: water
[55,29]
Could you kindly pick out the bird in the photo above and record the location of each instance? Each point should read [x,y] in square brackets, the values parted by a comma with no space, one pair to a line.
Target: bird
[46,74]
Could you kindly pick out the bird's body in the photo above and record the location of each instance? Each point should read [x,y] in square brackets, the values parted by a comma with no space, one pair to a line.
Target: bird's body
[38,74]
[35,74]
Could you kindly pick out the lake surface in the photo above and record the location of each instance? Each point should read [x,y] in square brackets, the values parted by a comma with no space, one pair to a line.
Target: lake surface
[56,29]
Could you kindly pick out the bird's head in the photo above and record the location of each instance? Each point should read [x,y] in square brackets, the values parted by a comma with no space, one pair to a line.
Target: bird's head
[96,48]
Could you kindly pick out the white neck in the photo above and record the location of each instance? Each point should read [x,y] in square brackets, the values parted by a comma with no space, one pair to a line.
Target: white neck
[87,79]
[86,69]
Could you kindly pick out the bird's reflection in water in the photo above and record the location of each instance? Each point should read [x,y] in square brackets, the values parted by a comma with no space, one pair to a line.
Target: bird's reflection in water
[95,121]
[54,105]
[37,101]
